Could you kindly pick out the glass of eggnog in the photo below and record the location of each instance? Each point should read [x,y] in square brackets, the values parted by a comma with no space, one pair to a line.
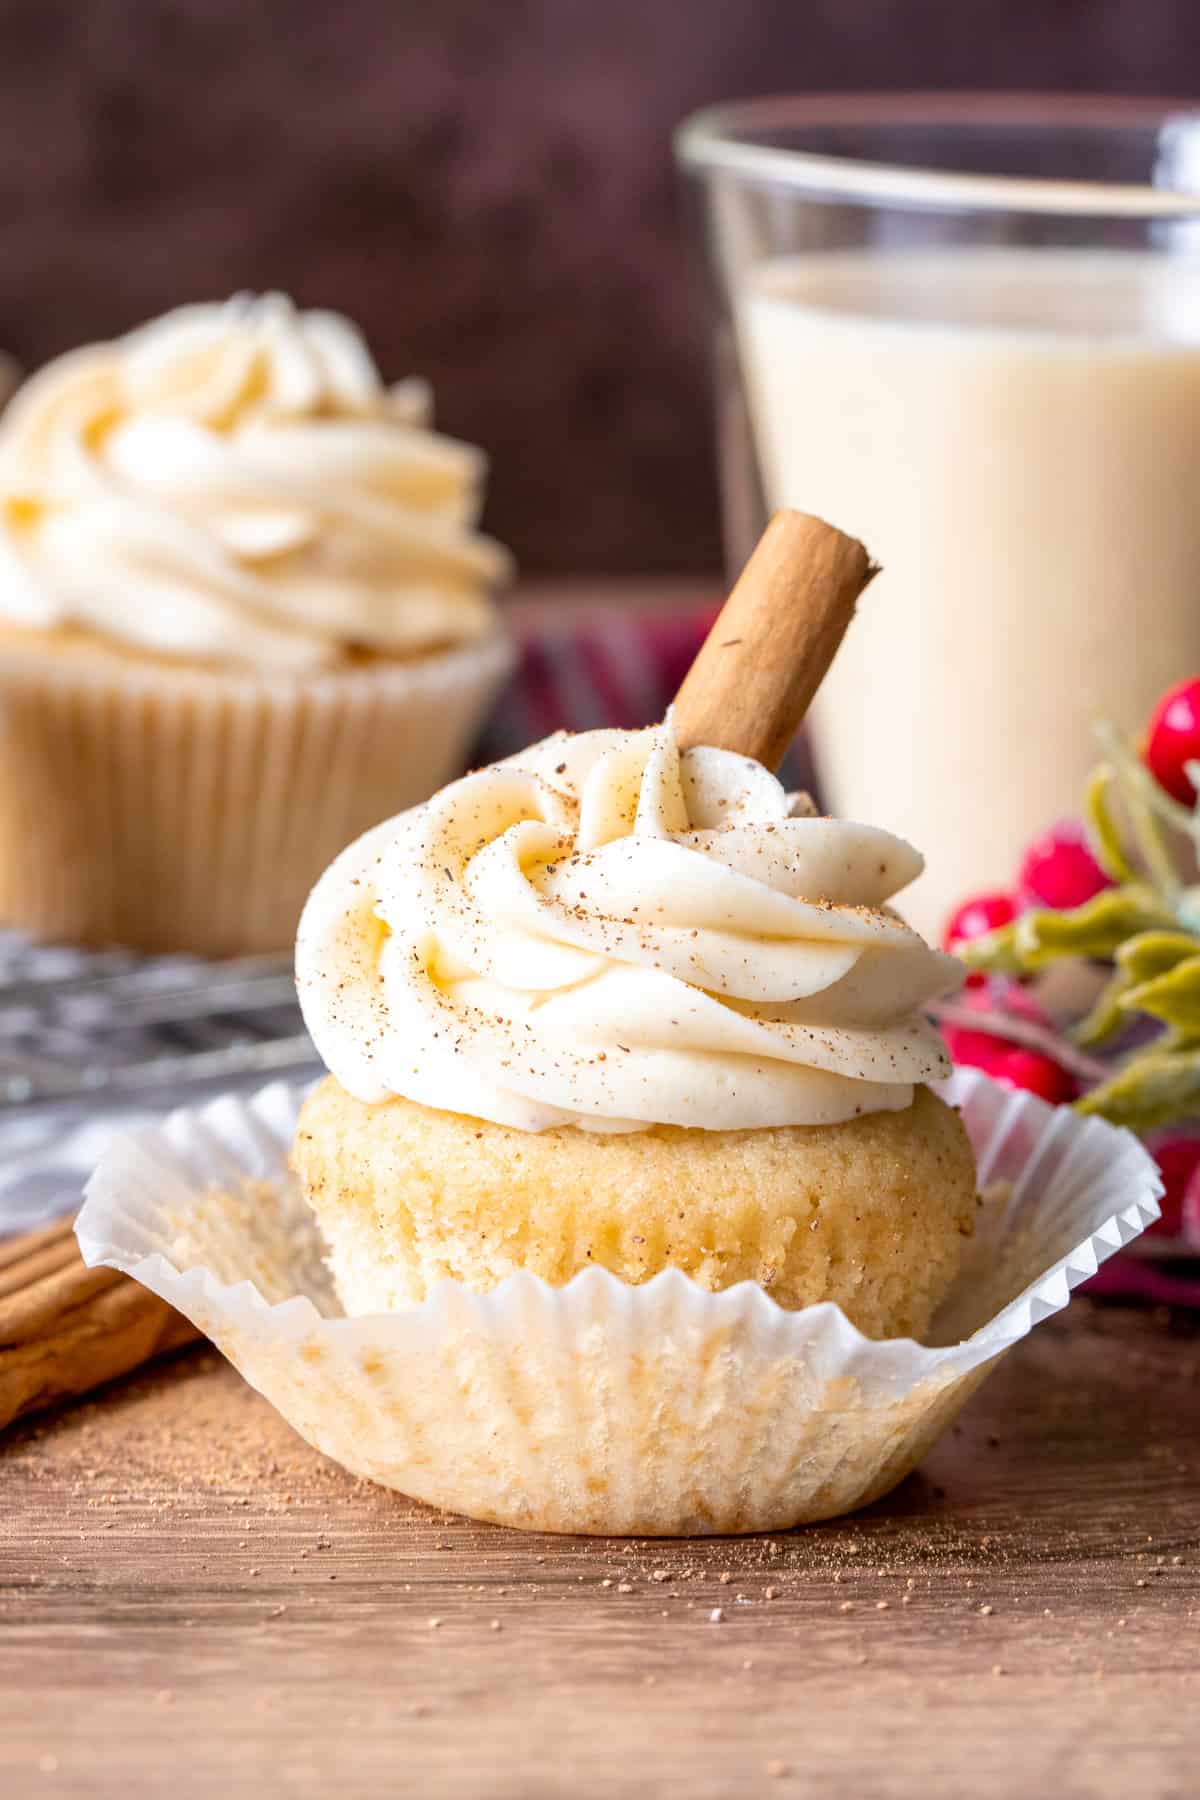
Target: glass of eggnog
[967,330]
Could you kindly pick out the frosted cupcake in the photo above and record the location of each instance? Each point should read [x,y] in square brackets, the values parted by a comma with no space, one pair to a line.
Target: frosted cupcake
[244,614]
[613,1004]
[617,1005]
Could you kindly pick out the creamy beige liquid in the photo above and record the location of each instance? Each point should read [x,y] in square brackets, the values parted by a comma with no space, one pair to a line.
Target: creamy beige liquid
[1016,437]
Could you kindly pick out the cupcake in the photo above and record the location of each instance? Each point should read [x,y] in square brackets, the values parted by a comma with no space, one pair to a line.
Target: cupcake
[628,1127]
[244,614]
[610,1004]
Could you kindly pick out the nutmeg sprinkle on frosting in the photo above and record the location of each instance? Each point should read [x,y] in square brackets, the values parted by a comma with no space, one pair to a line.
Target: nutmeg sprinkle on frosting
[607,933]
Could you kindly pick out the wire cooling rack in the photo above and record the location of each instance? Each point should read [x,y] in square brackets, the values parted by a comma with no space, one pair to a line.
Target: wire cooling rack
[93,1043]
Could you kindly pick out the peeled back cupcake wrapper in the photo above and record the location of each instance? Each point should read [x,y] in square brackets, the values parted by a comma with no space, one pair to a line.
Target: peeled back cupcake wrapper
[601,1407]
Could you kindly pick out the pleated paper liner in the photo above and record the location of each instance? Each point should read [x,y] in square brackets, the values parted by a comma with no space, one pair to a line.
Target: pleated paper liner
[601,1407]
[166,807]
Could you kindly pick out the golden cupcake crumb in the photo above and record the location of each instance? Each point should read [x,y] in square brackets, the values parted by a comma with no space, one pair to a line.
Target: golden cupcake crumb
[870,1213]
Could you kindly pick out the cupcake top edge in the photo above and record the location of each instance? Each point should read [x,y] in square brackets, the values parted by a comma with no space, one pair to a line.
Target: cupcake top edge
[606,932]
[234,483]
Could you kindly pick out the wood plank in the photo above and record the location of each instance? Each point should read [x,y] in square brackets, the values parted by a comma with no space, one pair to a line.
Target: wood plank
[192,1601]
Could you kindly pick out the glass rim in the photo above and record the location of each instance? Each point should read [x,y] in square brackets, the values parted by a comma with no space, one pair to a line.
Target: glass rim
[710,141]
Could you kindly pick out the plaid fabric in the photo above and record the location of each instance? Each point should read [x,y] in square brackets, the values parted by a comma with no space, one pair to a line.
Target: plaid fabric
[607,668]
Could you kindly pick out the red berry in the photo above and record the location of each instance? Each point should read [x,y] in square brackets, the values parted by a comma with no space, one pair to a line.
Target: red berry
[1010,1063]
[1178,1160]
[975,1049]
[1059,870]
[977,916]
[1173,738]
[1037,1074]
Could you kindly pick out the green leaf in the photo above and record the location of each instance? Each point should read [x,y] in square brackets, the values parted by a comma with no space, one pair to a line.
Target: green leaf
[1103,835]
[1154,1088]
[1148,808]
[1142,962]
[1097,929]
[1173,997]
[1101,929]
[995,952]
[1153,953]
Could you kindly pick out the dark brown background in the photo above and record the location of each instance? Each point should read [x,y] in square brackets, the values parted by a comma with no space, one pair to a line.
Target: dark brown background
[486,185]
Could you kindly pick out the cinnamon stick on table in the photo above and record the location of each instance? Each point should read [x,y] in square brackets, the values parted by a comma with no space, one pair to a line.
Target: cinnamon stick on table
[774,639]
[65,1328]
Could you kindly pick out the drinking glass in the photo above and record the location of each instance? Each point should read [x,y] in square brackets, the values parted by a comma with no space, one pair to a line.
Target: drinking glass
[966,329]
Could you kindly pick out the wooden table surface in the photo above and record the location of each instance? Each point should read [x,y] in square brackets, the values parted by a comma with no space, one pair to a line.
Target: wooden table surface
[192,1602]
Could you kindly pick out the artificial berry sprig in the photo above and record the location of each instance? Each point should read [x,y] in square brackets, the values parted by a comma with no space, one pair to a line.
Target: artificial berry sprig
[1141,915]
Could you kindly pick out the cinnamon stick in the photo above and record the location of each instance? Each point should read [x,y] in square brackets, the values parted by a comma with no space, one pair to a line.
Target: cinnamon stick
[764,659]
[65,1328]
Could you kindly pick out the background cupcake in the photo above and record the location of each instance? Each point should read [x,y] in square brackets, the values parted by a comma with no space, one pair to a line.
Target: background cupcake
[244,614]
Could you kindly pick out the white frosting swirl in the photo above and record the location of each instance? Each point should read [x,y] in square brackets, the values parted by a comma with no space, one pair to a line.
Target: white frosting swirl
[602,932]
[234,483]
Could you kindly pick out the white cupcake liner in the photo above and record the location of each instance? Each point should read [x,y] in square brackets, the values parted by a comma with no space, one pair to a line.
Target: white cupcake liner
[601,1407]
[175,808]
